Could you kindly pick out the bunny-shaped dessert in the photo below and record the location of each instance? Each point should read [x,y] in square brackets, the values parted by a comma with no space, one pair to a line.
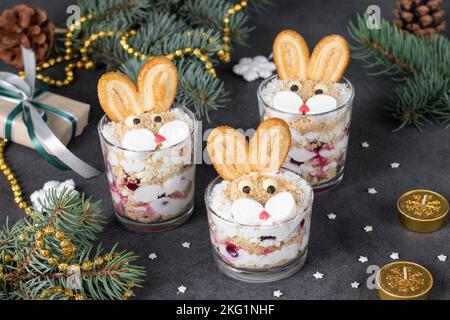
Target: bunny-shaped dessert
[148,147]
[144,107]
[257,191]
[259,215]
[311,76]
[311,97]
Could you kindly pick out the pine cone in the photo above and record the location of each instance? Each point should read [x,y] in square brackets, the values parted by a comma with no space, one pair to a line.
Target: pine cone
[419,17]
[26,26]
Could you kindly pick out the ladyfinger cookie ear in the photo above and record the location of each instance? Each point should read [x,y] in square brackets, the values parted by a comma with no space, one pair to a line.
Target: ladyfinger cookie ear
[270,145]
[157,83]
[228,150]
[329,59]
[118,96]
[291,56]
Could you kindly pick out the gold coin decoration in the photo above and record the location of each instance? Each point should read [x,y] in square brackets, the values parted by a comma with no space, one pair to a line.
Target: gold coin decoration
[403,280]
[422,210]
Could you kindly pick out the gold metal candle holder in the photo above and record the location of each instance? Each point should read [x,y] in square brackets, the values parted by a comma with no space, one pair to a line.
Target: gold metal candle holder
[403,280]
[422,210]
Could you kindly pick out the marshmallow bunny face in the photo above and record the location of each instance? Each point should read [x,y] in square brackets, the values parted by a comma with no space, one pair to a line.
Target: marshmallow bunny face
[327,64]
[154,91]
[257,192]
[262,199]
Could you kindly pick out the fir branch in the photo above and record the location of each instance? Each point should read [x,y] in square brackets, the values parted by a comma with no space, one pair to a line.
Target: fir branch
[26,273]
[421,64]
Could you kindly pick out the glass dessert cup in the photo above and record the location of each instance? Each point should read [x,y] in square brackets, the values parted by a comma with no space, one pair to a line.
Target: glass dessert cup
[238,250]
[319,141]
[151,190]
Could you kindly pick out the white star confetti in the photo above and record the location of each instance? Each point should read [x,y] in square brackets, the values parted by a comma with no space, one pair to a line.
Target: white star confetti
[442,257]
[368,228]
[372,191]
[181,289]
[318,275]
[152,256]
[355,285]
[394,256]
[395,165]
[363,259]
[277,293]
[186,244]
[365,144]
[331,216]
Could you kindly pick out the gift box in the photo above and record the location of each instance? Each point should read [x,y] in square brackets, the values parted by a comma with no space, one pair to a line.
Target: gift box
[61,127]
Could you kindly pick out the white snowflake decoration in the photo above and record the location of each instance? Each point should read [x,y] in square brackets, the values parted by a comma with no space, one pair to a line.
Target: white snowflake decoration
[254,68]
[38,198]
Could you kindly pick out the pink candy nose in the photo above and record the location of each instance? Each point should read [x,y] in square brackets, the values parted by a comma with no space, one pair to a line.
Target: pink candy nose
[159,138]
[264,215]
[304,108]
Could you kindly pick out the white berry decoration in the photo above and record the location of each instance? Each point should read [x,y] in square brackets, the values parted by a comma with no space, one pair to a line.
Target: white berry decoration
[254,68]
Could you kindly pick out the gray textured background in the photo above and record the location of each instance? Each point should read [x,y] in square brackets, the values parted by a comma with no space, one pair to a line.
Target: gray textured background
[335,246]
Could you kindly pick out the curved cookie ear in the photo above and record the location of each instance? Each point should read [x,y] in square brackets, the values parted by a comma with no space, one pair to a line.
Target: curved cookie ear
[291,56]
[157,83]
[329,59]
[270,145]
[118,96]
[228,150]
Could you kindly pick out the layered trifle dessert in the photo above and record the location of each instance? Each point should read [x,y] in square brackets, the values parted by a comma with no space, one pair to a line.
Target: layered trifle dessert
[310,94]
[259,215]
[148,150]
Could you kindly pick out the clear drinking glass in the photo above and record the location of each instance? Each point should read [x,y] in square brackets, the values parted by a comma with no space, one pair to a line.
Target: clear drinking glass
[237,248]
[319,141]
[162,196]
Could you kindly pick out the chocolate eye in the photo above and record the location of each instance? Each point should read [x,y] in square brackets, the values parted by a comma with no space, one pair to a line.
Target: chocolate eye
[245,186]
[132,121]
[270,185]
[157,118]
[320,89]
[294,86]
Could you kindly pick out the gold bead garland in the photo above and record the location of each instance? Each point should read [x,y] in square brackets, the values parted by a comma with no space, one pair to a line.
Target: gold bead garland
[197,52]
[84,62]
[224,55]
[13,183]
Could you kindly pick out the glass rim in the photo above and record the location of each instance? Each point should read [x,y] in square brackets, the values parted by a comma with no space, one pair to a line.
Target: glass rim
[191,133]
[219,179]
[266,105]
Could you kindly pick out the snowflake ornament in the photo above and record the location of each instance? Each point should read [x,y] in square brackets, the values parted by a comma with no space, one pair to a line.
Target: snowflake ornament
[38,198]
[254,68]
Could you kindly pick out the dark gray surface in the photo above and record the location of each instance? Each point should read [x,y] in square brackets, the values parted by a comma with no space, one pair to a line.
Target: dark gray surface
[335,246]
